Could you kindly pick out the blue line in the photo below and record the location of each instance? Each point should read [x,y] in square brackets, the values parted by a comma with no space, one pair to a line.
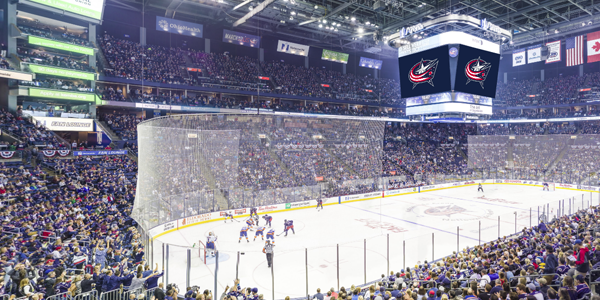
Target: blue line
[411,222]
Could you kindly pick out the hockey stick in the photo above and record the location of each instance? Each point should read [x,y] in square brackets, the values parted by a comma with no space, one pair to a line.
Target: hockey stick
[281,233]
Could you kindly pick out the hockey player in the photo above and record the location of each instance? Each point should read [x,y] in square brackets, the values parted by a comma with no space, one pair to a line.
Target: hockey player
[254,211]
[244,233]
[250,223]
[268,219]
[289,224]
[210,244]
[259,231]
[479,188]
[545,186]
[319,204]
[228,215]
[271,235]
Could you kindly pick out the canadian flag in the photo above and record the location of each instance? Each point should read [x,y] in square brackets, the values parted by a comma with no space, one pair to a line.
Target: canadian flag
[593,47]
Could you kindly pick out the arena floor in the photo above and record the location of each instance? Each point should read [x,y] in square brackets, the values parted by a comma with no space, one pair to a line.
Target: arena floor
[355,236]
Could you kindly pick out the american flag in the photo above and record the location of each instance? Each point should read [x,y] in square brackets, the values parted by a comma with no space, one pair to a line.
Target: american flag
[575,51]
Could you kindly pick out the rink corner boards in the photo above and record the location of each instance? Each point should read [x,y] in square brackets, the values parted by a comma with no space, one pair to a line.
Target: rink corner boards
[244,213]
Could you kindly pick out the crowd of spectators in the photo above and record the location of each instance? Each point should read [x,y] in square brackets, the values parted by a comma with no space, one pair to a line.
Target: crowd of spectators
[59,84]
[293,80]
[62,34]
[152,63]
[43,58]
[4,63]
[32,134]
[81,215]
[124,125]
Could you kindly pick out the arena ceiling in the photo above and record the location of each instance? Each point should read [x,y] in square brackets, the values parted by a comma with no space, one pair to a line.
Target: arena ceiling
[363,25]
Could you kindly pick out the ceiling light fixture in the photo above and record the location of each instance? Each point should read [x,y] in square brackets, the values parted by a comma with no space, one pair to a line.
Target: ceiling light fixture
[361,30]
[353,19]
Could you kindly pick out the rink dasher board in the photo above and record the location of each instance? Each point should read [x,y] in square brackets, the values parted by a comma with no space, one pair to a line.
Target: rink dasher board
[182,223]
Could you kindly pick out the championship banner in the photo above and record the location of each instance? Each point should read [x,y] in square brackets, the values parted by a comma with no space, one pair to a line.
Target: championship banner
[534,54]
[243,39]
[292,48]
[518,57]
[335,56]
[553,52]
[370,63]
[179,27]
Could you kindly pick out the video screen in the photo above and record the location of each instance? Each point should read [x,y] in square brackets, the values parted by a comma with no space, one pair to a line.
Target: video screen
[477,72]
[425,73]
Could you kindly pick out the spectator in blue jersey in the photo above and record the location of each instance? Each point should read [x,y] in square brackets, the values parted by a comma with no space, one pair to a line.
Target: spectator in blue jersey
[582,287]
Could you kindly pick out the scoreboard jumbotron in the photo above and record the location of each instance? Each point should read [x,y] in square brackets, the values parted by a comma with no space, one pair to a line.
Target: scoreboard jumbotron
[452,73]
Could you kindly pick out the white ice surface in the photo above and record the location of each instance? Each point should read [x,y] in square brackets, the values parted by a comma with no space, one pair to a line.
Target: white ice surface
[426,223]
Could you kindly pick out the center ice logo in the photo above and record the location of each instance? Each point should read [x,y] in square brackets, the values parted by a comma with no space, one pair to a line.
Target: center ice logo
[445,211]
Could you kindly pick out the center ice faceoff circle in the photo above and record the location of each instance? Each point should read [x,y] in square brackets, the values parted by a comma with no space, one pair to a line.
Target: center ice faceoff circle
[448,211]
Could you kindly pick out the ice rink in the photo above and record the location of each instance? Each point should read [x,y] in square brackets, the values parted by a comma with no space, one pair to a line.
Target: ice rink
[357,242]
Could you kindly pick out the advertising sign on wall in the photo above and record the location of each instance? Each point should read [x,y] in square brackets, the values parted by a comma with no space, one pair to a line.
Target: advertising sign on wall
[62,95]
[65,124]
[87,8]
[370,63]
[62,72]
[518,57]
[34,40]
[243,39]
[179,27]
[292,48]
[335,56]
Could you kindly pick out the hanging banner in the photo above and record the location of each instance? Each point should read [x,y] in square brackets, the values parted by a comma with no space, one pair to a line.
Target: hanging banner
[335,56]
[518,57]
[292,48]
[553,52]
[534,54]
[7,154]
[179,27]
[370,63]
[243,39]
[52,153]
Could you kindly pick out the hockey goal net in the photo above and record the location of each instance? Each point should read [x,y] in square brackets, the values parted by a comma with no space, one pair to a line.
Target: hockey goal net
[201,251]
[551,186]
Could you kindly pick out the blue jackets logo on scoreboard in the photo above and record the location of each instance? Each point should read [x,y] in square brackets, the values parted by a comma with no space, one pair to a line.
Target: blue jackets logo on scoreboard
[423,71]
[477,70]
